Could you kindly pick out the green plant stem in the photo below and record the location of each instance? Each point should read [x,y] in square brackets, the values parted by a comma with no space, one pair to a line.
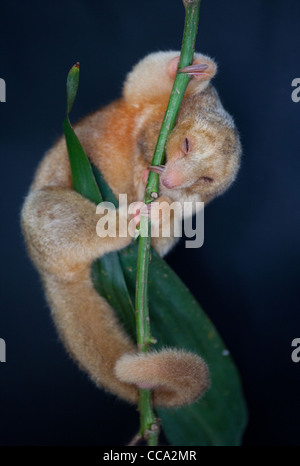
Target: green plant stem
[149,426]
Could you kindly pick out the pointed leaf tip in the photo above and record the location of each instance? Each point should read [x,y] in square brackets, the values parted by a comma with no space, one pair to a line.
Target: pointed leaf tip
[72,85]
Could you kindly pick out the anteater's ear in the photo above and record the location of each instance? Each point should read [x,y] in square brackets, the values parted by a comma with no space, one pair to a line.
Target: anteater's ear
[149,80]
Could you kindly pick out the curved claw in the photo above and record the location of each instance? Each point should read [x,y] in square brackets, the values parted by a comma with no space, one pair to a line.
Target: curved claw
[156,169]
[194,70]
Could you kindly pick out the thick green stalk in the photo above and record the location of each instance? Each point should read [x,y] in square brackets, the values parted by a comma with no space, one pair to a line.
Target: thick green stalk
[149,428]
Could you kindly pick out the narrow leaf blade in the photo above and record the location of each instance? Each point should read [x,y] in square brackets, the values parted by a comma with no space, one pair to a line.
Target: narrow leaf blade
[72,86]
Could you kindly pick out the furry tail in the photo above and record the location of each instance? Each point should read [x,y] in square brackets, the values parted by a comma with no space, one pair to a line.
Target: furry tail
[177,377]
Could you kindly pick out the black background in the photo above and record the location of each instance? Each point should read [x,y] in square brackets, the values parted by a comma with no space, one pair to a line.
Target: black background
[246,275]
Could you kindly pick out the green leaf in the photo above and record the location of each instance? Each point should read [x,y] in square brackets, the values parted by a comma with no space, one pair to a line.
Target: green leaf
[177,320]
[72,86]
[82,174]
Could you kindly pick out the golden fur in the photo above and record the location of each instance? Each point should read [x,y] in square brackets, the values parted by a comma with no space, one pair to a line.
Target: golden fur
[59,225]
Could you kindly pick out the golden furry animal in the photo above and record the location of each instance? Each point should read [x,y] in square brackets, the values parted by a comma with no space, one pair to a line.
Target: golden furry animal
[59,225]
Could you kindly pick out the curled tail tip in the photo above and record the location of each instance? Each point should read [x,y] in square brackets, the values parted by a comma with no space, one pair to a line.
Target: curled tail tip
[177,377]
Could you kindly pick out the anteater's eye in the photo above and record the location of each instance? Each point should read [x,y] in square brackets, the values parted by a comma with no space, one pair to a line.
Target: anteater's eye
[186,146]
